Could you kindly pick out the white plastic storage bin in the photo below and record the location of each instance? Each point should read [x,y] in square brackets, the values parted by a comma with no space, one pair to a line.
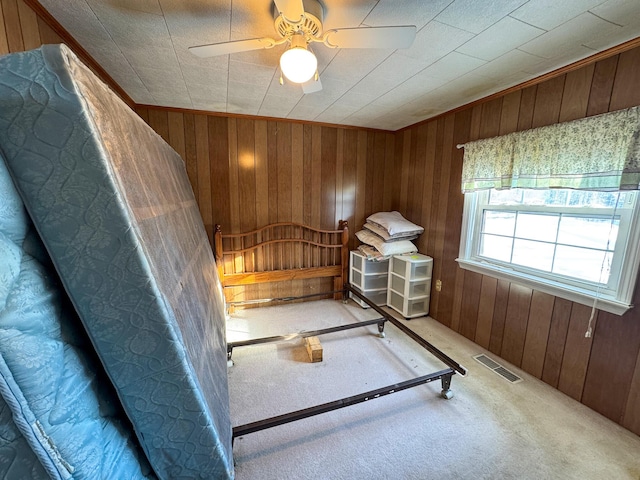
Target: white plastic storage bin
[378,297]
[409,284]
[412,267]
[369,282]
[409,308]
[369,278]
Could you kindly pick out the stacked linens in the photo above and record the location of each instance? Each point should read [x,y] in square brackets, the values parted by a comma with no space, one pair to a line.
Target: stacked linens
[388,233]
[112,203]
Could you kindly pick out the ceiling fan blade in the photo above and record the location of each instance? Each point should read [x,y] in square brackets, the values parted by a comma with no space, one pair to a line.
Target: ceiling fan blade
[226,48]
[312,86]
[292,10]
[371,37]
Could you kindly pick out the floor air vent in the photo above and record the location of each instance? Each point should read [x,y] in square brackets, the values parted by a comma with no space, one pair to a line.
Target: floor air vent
[497,368]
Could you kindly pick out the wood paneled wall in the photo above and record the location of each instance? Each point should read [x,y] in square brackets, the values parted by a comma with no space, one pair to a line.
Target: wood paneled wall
[542,334]
[249,172]
[22,29]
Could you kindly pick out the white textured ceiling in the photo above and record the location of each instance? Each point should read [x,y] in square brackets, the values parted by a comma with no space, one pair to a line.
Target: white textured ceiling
[464,50]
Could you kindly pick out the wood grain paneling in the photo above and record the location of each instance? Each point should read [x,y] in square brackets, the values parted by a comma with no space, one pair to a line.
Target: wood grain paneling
[248,172]
[613,360]
[537,336]
[556,341]
[541,333]
[515,325]
[577,350]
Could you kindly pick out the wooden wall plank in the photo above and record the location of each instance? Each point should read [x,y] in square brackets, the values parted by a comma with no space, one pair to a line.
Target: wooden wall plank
[218,154]
[29,26]
[427,195]
[625,91]
[272,169]
[418,174]
[391,177]
[548,101]
[490,119]
[516,321]
[527,105]
[234,176]
[159,121]
[404,168]
[631,418]
[557,339]
[246,172]
[616,345]
[412,172]
[577,88]
[4,46]
[283,162]
[349,181]
[297,173]
[339,167]
[576,353]
[602,85]
[476,121]
[47,34]
[307,161]
[177,132]
[378,154]
[470,304]
[361,181]
[316,175]
[485,311]
[262,174]
[328,175]
[190,154]
[535,345]
[12,25]
[204,174]
[499,317]
[510,112]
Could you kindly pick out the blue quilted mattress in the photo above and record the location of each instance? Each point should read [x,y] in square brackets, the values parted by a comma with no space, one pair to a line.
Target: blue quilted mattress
[59,415]
[113,206]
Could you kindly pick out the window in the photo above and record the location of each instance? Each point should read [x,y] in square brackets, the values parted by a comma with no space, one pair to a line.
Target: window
[574,244]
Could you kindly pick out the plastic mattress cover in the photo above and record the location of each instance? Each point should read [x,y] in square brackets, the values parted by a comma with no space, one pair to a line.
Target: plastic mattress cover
[115,210]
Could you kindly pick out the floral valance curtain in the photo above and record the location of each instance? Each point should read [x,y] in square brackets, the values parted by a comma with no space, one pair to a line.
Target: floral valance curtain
[595,153]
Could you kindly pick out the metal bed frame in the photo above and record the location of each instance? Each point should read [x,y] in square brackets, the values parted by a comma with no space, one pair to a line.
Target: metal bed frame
[444,375]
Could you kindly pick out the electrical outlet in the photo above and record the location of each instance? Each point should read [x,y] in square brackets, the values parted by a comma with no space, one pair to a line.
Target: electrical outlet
[438,285]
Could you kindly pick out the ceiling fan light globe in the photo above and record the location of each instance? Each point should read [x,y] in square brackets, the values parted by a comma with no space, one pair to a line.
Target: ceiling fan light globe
[298,64]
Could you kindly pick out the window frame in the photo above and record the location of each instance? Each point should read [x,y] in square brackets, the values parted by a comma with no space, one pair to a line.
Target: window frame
[617,302]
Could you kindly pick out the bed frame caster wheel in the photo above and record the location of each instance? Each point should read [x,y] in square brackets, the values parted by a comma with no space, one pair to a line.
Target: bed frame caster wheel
[381,333]
[447,394]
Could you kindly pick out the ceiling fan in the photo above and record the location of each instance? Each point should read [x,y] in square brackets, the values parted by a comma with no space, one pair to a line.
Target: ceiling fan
[299,23]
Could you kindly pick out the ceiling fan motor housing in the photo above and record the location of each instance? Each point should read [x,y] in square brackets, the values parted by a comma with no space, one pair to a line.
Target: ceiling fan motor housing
[310,25]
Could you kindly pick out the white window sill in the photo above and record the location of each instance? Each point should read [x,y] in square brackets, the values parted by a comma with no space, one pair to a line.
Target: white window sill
[574,294]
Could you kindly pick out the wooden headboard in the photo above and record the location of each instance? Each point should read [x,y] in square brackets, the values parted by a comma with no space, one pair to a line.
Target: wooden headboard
[281,252]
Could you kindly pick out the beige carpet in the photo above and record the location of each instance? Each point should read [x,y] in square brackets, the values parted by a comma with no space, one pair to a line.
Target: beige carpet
[490,429]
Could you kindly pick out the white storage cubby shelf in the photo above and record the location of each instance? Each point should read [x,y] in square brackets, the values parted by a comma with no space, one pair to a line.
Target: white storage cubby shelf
[369,278]
[409,287]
